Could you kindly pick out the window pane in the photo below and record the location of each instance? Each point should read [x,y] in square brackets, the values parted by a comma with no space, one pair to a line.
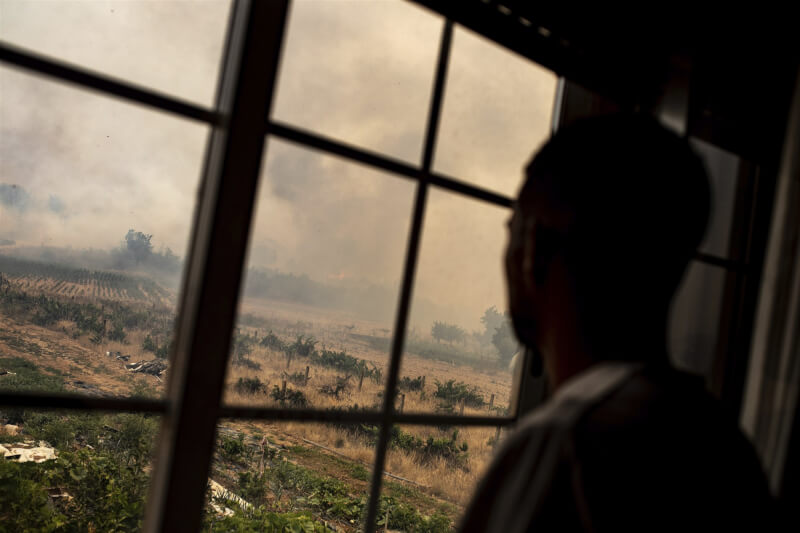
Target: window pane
[497,111]
[455,359]
[171,46]
[434,471]
[360,72]
[74,471]
[695,317]
[325,260]
[280,477]
[723,168]
[96,200]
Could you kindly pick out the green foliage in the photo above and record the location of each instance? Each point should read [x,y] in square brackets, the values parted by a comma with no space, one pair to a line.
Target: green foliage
[453,392]
[232,449]
[302,346]
[27,376]
[250,386]
[408,384]
[107,483]
[348,364]
[273,342]
[290,397]
[259,520]
[359,472]
[404,517]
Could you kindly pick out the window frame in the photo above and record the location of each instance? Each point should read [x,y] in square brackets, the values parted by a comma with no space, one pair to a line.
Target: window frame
[241,127]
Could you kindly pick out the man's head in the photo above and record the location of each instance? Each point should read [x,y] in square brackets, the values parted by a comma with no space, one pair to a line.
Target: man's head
[611,211]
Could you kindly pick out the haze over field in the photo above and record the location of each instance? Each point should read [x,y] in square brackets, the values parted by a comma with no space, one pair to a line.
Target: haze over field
[79,170]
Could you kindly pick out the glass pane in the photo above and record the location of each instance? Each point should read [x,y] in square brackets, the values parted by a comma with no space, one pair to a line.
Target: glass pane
[360,72]
[723,168]
[497,111]
[288,477]
[695,316]
[322,278]
[431,475]
[96,201]
[172,46]
[74,471]
[459,344]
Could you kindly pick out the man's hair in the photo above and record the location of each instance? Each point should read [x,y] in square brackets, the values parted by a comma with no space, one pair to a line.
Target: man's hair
[639,199]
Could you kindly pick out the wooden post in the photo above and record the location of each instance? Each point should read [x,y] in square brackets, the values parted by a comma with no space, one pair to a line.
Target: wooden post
[288,360]
[361,380]
[462,407]
[283,389]
[402,402]
[307,374]
[423,382]
[496,437]
[491,401]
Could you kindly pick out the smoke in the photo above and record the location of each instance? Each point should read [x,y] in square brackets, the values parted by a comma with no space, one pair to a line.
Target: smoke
[88,168]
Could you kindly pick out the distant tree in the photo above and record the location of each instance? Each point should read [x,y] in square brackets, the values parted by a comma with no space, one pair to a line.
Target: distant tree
[139,245]
[491,320]
[442,331]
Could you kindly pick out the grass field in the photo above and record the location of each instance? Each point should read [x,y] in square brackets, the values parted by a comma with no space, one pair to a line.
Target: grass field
[60,320]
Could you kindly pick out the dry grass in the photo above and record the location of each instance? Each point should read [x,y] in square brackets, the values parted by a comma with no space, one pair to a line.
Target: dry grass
[443,479]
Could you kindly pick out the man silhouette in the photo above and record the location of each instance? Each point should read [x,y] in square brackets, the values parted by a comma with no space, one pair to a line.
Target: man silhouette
[609,216]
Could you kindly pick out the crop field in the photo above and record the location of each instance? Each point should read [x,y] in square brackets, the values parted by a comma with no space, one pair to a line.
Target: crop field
[40,277]
[283,354]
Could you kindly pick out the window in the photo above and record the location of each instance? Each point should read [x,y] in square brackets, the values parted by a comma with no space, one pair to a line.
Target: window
[316,323]
[340,360]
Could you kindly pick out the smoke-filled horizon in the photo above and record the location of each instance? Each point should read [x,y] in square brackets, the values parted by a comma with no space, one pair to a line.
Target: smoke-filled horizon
[78,169]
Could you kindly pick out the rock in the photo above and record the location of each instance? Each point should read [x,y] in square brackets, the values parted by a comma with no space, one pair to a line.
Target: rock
[9,429]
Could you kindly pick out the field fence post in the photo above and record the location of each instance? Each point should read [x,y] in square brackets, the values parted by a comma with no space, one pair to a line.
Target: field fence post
[402,402]
[307,368]
[491,401]
[496,437]
[283,389]
[361,380]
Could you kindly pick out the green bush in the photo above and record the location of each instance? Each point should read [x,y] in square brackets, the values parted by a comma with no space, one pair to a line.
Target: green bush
[290,397]
[250,386]
[231,448]
[453,392]
[408,384]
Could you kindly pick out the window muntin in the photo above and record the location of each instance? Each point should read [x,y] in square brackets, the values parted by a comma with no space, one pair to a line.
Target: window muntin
[174,47]
[255,414]
[497,111]
[302,471]
[360,72]
[97,202]
[321,282]
[459,301]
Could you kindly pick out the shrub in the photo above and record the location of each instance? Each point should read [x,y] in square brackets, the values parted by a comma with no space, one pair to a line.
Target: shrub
[453,392]
[408,384]
[232,449]
[273,342]
[290,397]
[250,386]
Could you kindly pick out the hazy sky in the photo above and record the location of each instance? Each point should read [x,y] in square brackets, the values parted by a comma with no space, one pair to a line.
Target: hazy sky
[80,169]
